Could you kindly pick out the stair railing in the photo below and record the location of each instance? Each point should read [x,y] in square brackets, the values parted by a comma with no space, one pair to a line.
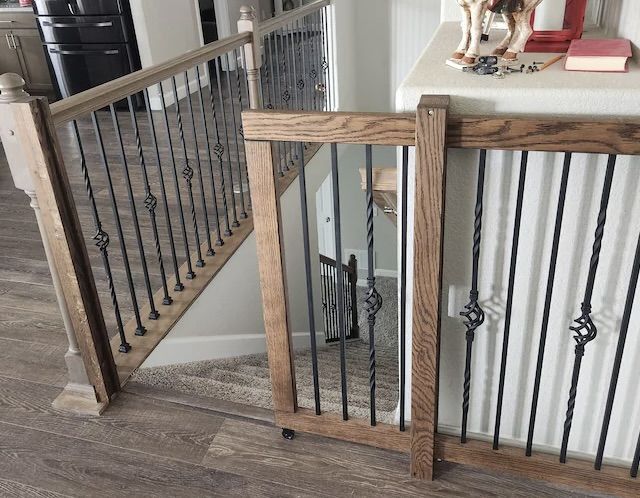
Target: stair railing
[141,190]
[432,132]
[329,276]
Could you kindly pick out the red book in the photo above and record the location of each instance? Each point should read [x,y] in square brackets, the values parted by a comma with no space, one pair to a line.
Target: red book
[600,55]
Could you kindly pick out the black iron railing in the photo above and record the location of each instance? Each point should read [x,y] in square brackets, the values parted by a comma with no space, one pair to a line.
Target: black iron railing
[336,284]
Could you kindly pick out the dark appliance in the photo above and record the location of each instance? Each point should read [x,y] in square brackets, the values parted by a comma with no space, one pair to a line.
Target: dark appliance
[87,42]
[208,18]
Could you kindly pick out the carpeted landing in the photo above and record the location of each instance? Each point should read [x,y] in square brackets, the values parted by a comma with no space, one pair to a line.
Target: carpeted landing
[245,379]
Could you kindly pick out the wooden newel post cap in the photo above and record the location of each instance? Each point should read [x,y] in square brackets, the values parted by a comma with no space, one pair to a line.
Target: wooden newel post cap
[247,13]
[11,87]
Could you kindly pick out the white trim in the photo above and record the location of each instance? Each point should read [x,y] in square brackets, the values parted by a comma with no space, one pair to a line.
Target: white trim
[189,349]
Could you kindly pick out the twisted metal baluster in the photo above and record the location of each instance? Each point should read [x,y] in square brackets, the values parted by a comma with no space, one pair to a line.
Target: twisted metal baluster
[101,239]
[243,212]
[176,183]
[187,174]
[314,72]
[548,300]
[203,200]
[584,328]
[178,286]
[373,300]
[510,291]
[150,202]
[234,211]
[615,373]
[473,312]
[140,329]
[218,150]
[286,49]
[216,211]
[325,61]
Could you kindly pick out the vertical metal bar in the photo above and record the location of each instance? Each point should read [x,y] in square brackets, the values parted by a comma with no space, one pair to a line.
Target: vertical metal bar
[236,129]
[246,82]
[624,329]
[203,114]
[101,239]
[187,174]
[218,150]
[373,300]
[325,61]
[473,313]
[512,277]
[403,286]
[340,287]
[150,202]
[289,80]
[309,279]
[302,51]
[203,200]
[235,223]
[267,72]
[153,314]
[140,329]
[325,303]
[548,300]
[185,239]
[178,287]
[274,75]
[283,100]
[584,328]
[294,65]
[314,66]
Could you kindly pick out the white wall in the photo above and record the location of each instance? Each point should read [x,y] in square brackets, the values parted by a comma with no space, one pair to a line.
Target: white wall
[620,19]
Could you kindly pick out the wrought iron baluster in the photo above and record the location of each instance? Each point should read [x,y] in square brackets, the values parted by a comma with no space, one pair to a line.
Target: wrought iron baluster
[307,65]
[308,270]
[140,329]
[286,49]
[403,285]
[300,82]
[210,251]
[218,150]
[187,174]
[234,211]
[314,71]
[294,65]
[473,313]
[185,239]
[153,314]
[152,127]
[101,239]
[548,299]
[274,76]
[284,97]
[246,83]
[512,277]
[243,212]
[203,114]
[624,329]
[584,328]
[373,300]
[340,287]
[266,80]
[150,202]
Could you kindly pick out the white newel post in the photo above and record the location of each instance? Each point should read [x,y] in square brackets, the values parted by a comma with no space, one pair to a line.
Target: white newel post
[12,90]
[252,54]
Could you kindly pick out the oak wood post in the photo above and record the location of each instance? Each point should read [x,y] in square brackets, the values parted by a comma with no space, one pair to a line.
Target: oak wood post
[265,201]
[252,54]
[431,123]
[37,167]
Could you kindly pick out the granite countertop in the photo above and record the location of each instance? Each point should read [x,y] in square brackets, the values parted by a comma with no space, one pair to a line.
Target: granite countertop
[14,7]
[548,92]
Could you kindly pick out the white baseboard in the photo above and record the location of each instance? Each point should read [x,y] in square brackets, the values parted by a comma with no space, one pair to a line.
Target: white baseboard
[189,349]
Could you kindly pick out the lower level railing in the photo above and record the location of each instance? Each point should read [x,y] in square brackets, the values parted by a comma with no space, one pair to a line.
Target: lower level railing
[432,132]
[329,276]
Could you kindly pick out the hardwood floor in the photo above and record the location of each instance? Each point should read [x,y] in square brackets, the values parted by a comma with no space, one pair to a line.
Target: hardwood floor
[148,447]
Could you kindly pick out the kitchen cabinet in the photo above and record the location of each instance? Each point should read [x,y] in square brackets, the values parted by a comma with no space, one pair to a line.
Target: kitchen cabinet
[21,51]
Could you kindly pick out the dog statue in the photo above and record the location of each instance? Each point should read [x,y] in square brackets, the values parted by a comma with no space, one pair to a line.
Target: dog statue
[517,15]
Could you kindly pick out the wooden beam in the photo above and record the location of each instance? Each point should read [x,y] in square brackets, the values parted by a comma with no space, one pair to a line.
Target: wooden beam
[561,134]
[385,179]
[35,127]
[331,425]
[330,127]
[566,134]
[576,474]
[96,98]
[427,280]
[265,201]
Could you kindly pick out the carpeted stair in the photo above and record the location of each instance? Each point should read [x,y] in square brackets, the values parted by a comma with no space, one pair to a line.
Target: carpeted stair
[245,379]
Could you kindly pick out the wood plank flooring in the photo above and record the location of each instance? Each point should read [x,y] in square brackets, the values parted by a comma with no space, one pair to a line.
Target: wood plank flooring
[148,447]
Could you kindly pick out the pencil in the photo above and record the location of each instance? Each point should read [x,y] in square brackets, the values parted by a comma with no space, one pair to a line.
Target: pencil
[551,62]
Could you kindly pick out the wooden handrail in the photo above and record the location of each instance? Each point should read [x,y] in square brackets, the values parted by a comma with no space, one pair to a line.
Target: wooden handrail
[96,98]
[529,133]
[283,20]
